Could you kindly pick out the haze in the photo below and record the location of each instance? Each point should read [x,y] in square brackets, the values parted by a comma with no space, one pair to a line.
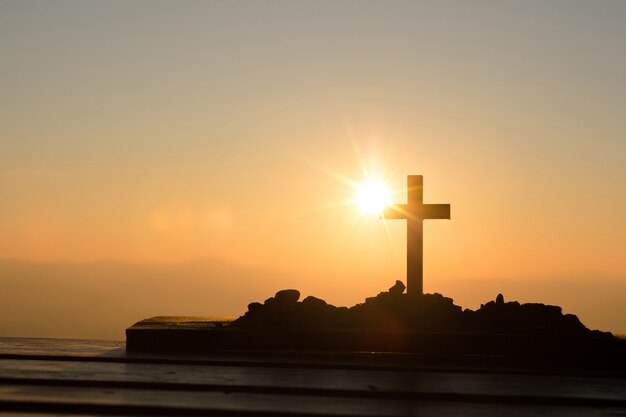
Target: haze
[184,158]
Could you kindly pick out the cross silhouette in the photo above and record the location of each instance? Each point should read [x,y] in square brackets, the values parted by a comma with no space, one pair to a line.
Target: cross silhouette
[415,211]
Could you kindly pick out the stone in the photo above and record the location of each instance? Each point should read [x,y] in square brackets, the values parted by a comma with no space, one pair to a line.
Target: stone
[398,288]
[396,311]
[314,302]
[252,307]
[287,296]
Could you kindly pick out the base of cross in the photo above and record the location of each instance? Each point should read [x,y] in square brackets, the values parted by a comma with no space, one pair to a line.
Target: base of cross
[427,326]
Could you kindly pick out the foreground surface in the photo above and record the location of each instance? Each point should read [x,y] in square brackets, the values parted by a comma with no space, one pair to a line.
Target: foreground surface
[56,377]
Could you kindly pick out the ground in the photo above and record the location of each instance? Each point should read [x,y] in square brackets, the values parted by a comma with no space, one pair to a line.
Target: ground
[396,311]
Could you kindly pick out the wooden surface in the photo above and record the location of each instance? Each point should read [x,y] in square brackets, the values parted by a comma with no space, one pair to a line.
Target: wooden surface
[47,377]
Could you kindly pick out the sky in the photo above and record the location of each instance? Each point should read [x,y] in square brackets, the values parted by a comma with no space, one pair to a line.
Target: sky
[190,157]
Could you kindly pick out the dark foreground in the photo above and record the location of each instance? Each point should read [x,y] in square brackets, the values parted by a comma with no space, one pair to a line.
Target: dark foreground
[195,335]
[396,311]
[500,334]
[43,377]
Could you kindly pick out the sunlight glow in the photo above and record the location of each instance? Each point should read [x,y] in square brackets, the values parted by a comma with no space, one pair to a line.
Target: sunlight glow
[372,197]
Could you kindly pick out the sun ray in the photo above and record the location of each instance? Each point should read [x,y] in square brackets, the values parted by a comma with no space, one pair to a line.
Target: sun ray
[370,193]
[372,196]
[357,152]
[333,174]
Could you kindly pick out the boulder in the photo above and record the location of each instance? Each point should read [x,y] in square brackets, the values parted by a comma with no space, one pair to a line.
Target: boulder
[398,288]
[314,302]
[252,307]
[287,296]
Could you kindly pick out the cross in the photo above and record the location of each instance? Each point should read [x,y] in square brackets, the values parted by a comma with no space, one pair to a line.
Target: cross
[415,211]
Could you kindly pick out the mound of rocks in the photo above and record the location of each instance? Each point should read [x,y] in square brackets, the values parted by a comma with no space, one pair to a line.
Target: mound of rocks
[395,311]
[531,318]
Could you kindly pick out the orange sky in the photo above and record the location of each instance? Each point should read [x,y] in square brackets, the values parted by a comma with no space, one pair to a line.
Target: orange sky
[151,133]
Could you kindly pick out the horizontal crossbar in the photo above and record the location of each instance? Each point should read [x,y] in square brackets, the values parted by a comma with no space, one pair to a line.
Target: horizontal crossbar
[420,212]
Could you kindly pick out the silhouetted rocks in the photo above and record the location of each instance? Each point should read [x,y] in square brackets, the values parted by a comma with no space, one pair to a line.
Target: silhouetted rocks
[398,288]
[287,296]
[500,299]
[394,311]
[314,302]
[254,306]
[513,317]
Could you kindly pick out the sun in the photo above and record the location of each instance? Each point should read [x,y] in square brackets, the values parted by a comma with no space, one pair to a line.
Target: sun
[372,196]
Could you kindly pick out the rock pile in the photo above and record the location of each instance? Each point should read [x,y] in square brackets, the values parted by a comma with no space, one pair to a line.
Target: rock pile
[395,311]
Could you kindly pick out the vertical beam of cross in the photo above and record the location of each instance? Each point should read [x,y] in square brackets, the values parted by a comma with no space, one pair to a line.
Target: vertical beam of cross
[415,212]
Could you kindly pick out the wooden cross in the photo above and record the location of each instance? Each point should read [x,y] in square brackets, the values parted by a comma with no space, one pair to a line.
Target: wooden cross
[415,211]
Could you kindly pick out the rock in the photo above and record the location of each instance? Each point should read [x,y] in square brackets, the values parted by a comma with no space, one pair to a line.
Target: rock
[252,307]
[287,296]
[398,288]
[314,302]
[394,310]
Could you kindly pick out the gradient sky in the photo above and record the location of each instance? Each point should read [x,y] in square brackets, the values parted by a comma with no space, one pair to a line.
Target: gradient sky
[152,132]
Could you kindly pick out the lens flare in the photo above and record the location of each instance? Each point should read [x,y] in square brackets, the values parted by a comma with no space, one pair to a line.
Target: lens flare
[372,197]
